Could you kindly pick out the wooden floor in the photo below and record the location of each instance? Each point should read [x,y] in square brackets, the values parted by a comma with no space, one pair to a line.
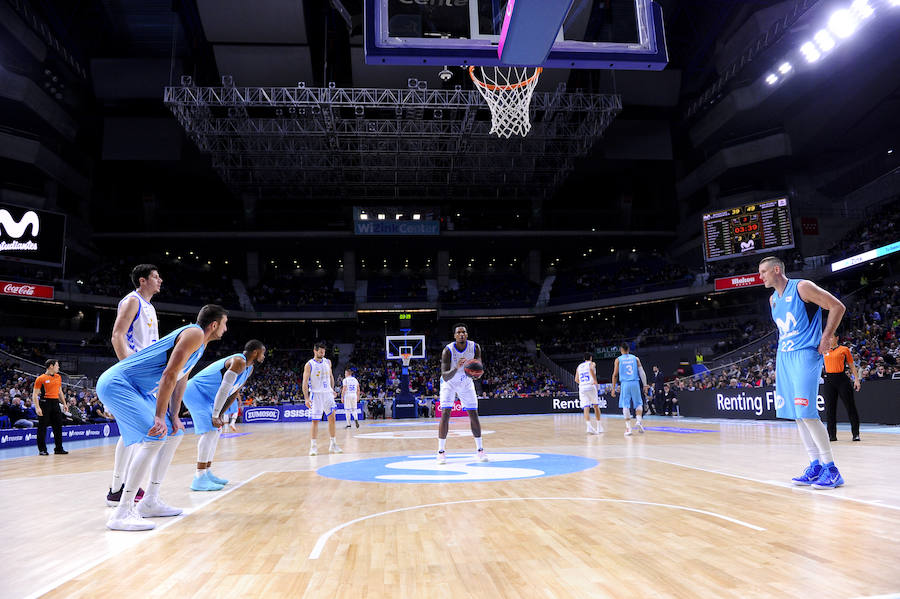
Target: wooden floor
[664,514]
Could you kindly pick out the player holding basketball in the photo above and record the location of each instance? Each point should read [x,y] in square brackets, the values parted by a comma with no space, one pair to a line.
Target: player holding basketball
[135,328]
[350,396]
[144,393]
[797,311]
[208,396]
[628,368]
[318,391]
[456,383]
[586,375]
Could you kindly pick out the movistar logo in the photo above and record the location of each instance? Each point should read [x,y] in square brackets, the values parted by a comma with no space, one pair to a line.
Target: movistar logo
[17,229]
[789,322]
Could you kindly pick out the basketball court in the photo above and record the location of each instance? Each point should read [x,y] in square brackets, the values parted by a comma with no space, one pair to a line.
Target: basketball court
[691,508]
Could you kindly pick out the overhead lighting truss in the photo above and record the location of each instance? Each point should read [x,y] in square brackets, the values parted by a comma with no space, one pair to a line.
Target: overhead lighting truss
[385,143]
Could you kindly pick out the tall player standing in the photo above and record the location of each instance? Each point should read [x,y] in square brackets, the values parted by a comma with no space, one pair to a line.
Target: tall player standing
[144,393]
[350,396]
[629,370]
[135,328]
[586,375]
[797,306]
[318,390]
[456,383]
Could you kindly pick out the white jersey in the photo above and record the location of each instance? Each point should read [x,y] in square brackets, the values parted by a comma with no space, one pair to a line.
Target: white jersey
[319,375]
[351,387]
[144,329]
[468,353]
[583,375]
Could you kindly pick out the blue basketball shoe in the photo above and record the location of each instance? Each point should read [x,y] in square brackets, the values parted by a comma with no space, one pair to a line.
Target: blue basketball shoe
[216,479]
[830,478]
[810,475]
[202,483]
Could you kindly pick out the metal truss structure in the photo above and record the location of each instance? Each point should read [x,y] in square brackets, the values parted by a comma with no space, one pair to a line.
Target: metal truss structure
[385,144]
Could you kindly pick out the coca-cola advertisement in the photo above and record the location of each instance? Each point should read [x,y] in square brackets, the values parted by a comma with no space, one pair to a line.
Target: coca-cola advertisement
[33,236]
[28,290]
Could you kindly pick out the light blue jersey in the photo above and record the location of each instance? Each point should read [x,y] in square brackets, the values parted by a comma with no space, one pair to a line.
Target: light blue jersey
[628,368]
[144,369]
[207,382]
[128,389]
[200,393]
[797,362]
[799,323]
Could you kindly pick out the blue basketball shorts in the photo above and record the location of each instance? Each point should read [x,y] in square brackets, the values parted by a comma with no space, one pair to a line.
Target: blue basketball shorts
[631,395]
[797,383]
[134,409]
[200,408]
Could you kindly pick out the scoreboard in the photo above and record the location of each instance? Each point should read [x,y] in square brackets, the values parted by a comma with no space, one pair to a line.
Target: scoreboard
[745,230]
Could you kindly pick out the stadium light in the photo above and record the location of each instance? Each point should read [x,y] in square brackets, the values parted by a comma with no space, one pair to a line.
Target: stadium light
[772,79]
[398,216]
[843,23]
[810,53]
[380,217]
[417,216]
[363,216]
[862,9]
[891,151]
[784,68]
[824,40]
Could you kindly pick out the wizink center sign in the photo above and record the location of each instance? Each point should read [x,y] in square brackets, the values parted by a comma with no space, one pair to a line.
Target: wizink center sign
[32,235]
[396,227]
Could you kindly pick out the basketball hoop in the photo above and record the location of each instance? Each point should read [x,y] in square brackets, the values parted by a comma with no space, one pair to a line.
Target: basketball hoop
[507,91]
[406,358]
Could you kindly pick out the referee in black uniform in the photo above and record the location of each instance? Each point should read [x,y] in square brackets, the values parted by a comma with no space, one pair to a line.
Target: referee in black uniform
[838,385]
[46,397]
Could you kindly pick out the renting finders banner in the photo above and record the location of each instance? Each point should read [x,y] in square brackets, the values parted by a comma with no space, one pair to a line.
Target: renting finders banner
[877,402]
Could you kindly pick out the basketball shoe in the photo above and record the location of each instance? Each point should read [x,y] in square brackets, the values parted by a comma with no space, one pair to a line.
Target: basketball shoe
[442,457]
[810,475]
[128,519]
[830,478]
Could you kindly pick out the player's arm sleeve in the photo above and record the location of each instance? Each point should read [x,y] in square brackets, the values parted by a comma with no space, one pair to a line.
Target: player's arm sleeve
[228,380]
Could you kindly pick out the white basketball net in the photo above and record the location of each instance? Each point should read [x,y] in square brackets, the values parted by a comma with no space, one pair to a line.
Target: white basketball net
[507,91]
[405,358]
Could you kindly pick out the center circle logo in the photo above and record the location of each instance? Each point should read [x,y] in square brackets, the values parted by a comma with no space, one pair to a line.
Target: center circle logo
[460,467]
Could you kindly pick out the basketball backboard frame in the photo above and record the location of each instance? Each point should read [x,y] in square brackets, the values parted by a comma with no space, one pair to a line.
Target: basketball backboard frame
[394,345]
[649,53]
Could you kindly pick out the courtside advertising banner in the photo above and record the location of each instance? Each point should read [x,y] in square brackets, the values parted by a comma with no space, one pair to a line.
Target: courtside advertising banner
[26,290]
[34,236]
[738,282]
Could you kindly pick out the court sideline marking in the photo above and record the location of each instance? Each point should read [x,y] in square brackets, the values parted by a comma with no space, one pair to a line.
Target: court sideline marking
[323,539]
[134,541]
[776,483]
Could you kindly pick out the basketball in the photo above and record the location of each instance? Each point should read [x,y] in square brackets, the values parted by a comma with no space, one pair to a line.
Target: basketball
[474,369]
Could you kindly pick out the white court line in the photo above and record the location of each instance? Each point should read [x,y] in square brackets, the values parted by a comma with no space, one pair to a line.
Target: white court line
[320,543]
[134,538]
[775,483]
[888,596]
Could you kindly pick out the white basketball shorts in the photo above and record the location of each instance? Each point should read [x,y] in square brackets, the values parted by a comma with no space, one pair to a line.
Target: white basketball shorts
[322,404]
[464,390]
[588,396]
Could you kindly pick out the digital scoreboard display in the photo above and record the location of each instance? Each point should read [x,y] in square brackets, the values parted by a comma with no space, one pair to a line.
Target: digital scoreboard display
[751,229]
